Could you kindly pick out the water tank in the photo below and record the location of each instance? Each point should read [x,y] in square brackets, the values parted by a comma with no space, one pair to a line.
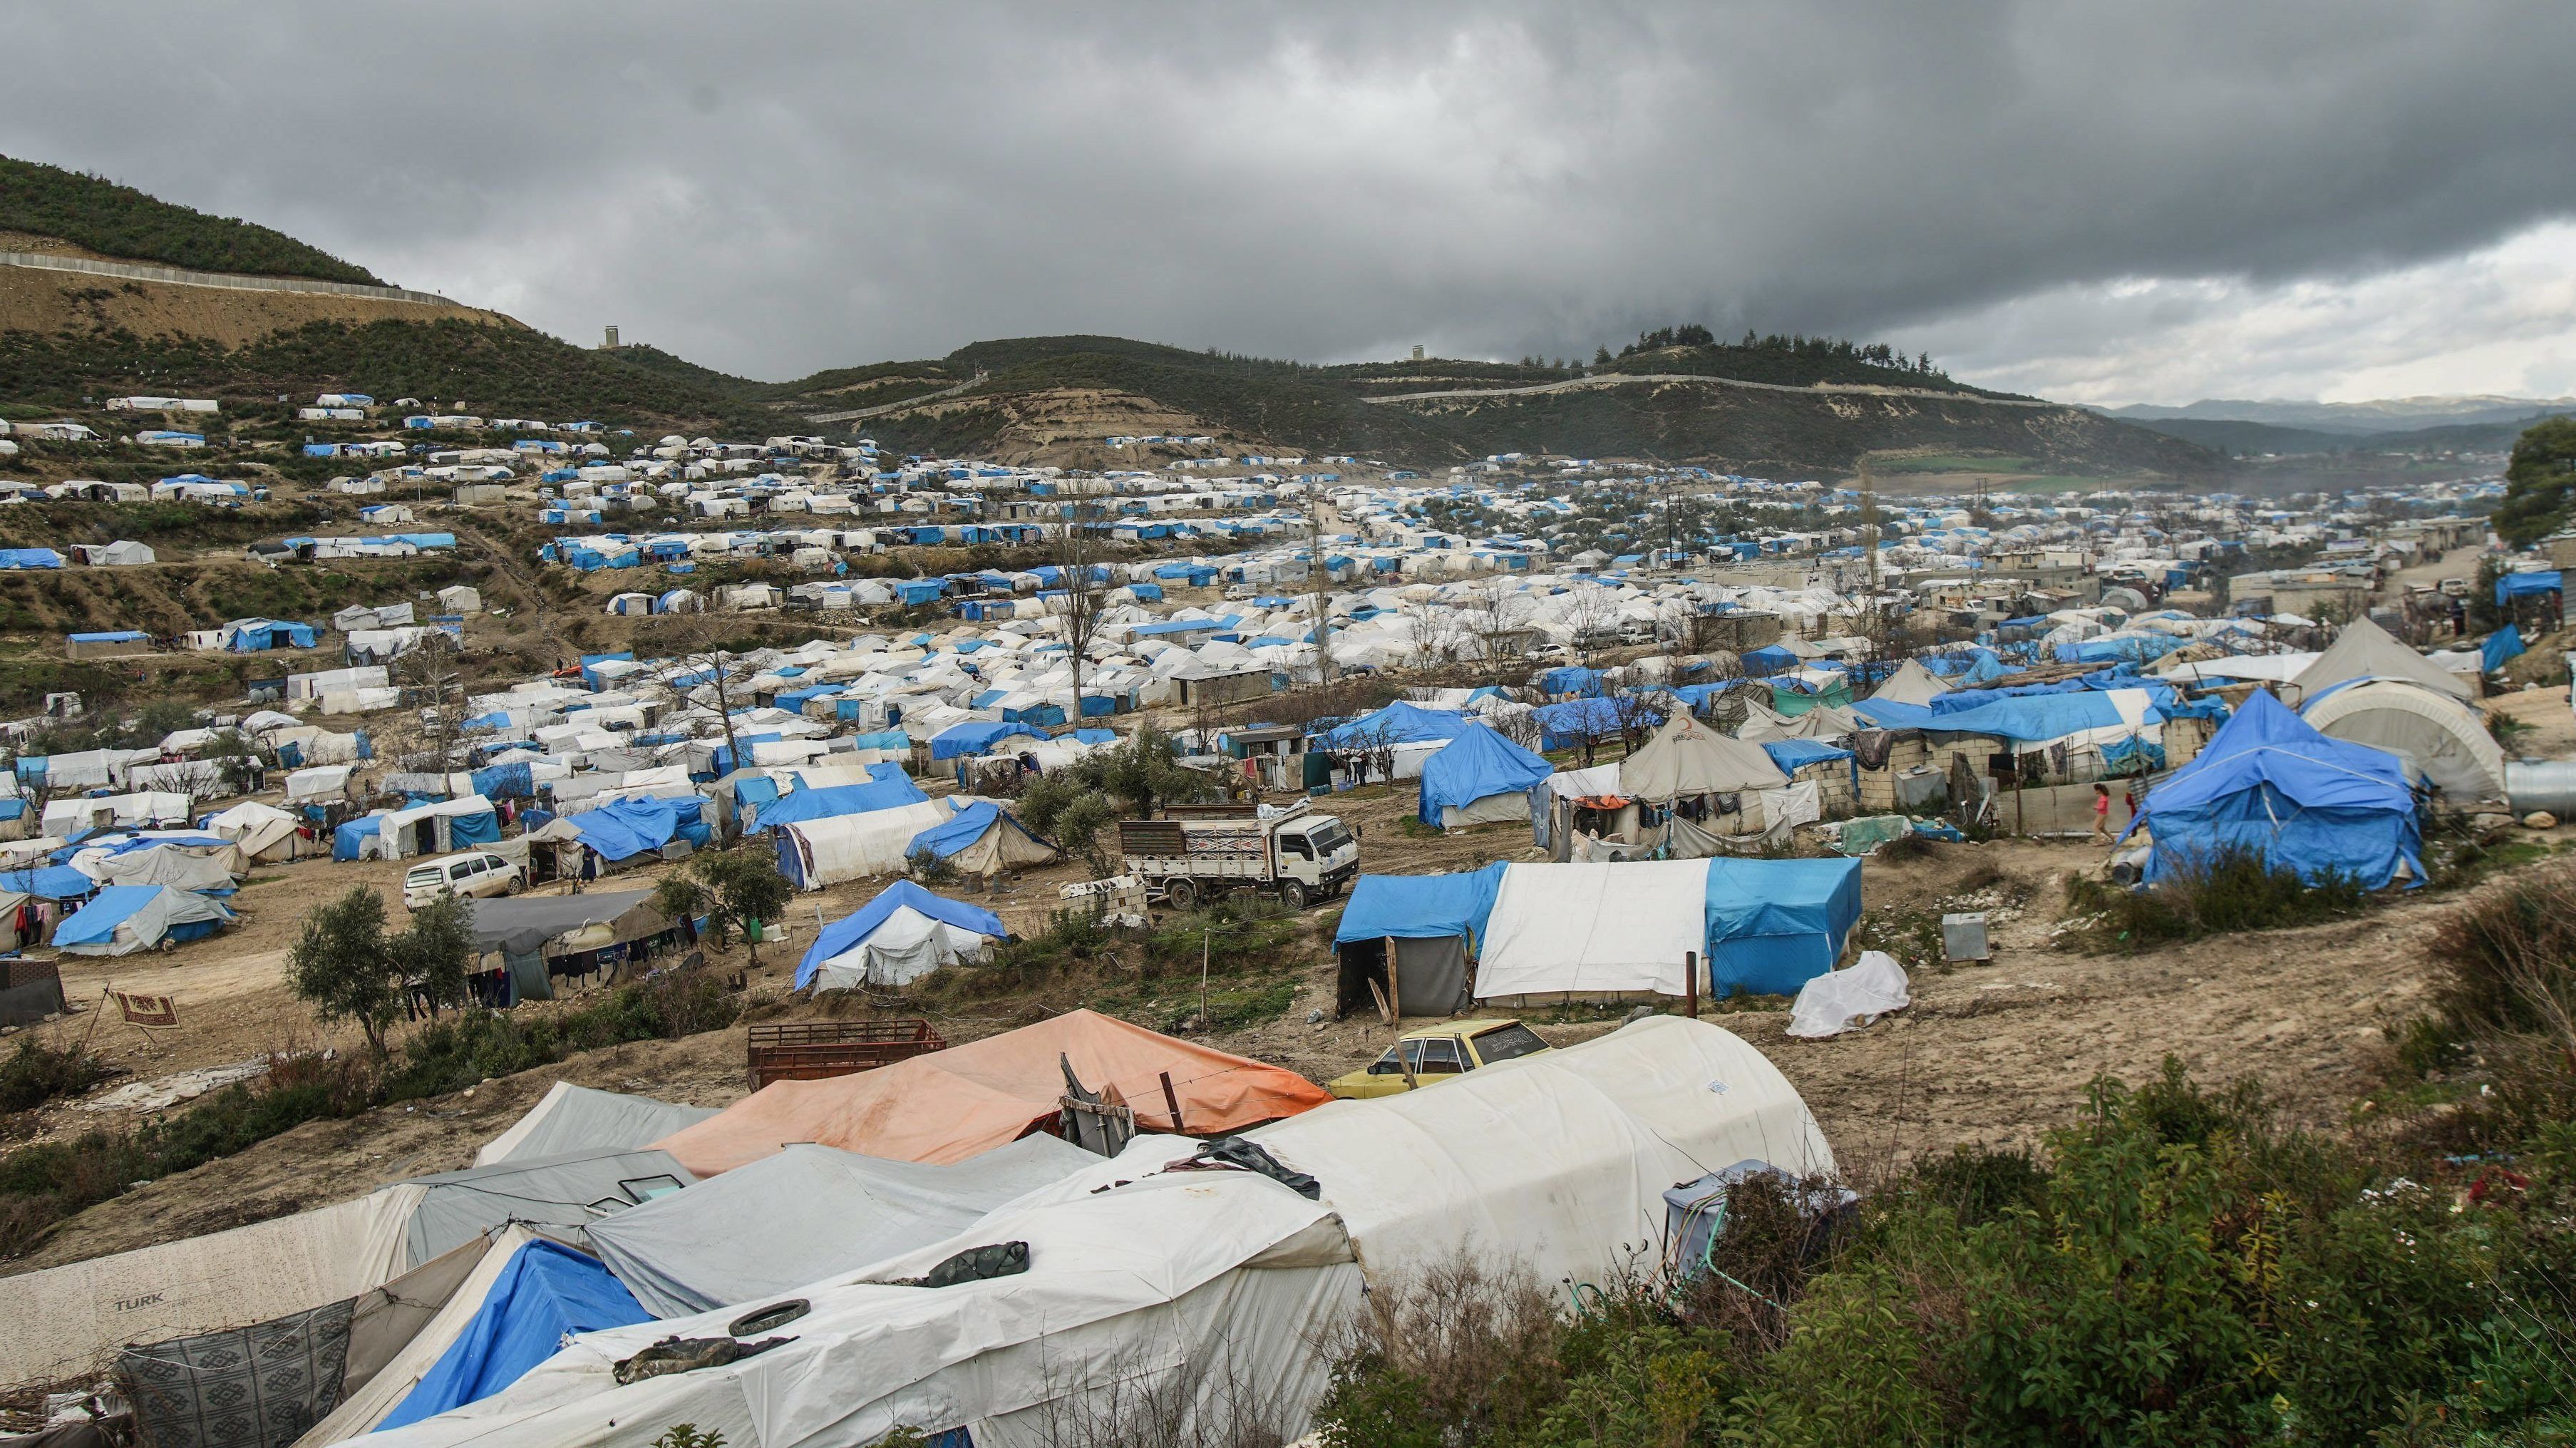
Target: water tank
[2548,784]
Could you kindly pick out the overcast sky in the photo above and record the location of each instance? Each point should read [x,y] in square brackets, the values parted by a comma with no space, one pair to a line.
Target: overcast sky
[2152,200]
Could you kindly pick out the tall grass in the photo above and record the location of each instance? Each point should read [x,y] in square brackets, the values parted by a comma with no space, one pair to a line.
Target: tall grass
[2222,891]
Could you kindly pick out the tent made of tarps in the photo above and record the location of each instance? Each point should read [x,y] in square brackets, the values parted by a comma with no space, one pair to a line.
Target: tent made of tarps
[438,828]
[1434,922]
[561,1191]
[545,1293]
[1688,757]
[173,865]
[1229,1275]
[1191,1291]
[975,736]
[2269,783]
[570,1120]
[65,1321]
[1563,725]
[798,806]
[49,882]
[905,932]
[1397,723]
[263,833]
[2367,651]
[1775,924]
[820,1211]
[419,1315]
[952,1104]
[821,853]
[1480,777]
[982,838]
[122,919]
[527,924]
[1911,684]
[623,829]
[2527,584]
[359,838]
[1594,929]
[2443,739]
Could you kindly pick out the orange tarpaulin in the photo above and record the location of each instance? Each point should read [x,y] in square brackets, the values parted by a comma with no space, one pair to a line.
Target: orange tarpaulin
[953,1104]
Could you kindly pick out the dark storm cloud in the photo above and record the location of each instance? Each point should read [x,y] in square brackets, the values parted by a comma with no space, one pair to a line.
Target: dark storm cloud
[776,188]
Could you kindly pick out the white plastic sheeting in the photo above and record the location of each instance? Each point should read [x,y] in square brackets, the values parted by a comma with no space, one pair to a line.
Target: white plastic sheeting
[1186,1286]
[905,947]
[1613,928]
[67,1321]
[852,847]
[1836,1001]
[571,1119]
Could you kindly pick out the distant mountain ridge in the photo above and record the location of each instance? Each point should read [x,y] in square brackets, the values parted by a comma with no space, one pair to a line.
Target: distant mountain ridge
[2395,414]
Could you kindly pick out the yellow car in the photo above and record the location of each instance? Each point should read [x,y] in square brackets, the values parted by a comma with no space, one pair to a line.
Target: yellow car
[1435,1054]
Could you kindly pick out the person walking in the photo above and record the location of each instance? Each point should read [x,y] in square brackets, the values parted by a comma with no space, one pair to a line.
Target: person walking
[2102,813]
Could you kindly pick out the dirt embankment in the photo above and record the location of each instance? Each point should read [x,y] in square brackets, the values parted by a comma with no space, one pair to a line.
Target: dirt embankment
[50,301]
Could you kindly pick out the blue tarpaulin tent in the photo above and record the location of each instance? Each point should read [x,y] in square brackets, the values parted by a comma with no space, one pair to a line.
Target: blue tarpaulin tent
[505,781]
[1397,723]
[1770,659]
[1775,924]
[545,1293]
[1571,681]
[349,839]
[149,914]
[975,736]
[30,558]
[630,827]
[852,930]
[2270,783]
[258,635]
[1420,907]
[1792,755]
[1478,764]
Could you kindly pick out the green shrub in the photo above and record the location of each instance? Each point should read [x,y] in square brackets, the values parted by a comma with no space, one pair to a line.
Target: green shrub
[2221,892]
[36,1073]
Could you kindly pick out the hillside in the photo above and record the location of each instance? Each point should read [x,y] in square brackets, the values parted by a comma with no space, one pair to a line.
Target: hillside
[98,215]
[496,370]
[2244,437]
[1053,400]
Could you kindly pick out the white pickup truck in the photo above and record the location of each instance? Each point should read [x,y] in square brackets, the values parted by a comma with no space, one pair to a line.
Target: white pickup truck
[1199,851]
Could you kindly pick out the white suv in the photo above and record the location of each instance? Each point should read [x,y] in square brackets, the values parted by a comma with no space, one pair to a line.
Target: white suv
[472,874]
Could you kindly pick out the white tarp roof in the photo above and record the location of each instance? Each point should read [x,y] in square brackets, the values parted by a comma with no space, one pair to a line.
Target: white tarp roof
[2366,651]
[763,1230]
[1598,927]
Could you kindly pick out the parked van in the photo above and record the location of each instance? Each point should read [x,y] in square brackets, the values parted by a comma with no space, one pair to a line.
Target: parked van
[473,874]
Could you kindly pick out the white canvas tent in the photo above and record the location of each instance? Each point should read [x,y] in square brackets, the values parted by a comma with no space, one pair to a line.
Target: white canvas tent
[263,833]
[1687,758]
[824,852]
[67,1321]
[906,946]
[2367,651]
[1911,684]
[2434,732]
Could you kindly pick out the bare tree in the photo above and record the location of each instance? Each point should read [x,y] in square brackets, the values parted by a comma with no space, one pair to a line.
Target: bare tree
[1591,611]
[1077,552]
[1433,630]
[1494,617]
[697,644]
[429,738]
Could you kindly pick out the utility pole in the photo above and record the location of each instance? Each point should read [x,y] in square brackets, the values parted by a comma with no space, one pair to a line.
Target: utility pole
[1869,529]
[1315,572]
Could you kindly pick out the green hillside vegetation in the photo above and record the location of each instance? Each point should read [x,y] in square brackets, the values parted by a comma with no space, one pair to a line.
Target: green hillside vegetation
[2539,484]
[1787,360]
[493,370]
[112,220]
[2230,436]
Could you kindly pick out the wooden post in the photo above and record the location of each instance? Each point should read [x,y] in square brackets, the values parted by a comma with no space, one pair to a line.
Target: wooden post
[1172,1099]
[1690,983]
[1394,986]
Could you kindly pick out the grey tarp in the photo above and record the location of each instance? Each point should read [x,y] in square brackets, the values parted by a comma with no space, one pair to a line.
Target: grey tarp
[573,1119]
[554,1191]
[1431,975]
[2367,651]
[1687,758]
[517,925]
[251,1387]
[793,1219]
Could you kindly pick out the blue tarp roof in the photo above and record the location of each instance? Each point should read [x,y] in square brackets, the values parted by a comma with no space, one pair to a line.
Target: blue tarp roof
[1398,723]
[1478,763]
[962,829]
[350,838]
[1571,681]
[1421,907]
[2523,585]
[831,801]
[1773,925]
[49,882]
[111,907]
[545,1292]
[1795,754]
[976,736]
[2269,782]
[1578,719]
[851,930]
[2028,718]
[629,827]
[120,636]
